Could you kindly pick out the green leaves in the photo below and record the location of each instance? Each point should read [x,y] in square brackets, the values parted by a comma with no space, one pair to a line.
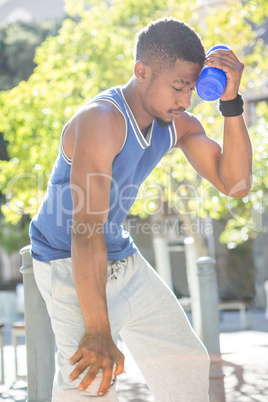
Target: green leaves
[18,42]
[93,51]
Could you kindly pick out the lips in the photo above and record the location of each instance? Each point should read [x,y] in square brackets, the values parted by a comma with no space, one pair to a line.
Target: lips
[176,113]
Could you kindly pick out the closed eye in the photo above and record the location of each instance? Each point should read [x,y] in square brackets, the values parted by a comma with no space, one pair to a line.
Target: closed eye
[180,89]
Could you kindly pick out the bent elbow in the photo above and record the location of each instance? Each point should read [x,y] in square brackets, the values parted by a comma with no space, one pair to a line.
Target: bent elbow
[240,194]
[240,190]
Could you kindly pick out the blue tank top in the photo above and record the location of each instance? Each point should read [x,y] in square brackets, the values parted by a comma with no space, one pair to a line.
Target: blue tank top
[50,228]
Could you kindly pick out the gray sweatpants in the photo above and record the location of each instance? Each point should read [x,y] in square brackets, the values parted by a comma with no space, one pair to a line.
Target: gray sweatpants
[148,318]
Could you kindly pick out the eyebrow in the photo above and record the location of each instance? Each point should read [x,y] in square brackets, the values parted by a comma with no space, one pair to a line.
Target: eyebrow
[180,81]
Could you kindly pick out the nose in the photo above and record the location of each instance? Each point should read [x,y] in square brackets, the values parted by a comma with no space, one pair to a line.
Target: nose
[184,100]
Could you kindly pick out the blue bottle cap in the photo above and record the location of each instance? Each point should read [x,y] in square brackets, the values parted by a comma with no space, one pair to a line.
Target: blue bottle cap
[220,46]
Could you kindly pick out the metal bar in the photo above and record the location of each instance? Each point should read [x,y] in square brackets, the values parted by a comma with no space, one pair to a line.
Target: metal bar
[210,330]
[40,343]
[162,260]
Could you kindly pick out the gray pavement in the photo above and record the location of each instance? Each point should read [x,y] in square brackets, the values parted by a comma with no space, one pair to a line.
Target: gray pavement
[244,354]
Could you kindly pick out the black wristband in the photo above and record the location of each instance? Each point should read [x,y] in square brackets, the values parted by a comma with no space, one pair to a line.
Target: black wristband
[232,107]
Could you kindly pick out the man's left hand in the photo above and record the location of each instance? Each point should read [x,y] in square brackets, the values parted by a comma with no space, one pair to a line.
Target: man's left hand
[227,61]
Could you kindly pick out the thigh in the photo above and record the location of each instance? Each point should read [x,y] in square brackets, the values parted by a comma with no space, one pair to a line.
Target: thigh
[172,359]
[56,284]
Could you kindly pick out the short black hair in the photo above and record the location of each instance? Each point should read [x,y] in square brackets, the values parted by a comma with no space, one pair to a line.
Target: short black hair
[164,41]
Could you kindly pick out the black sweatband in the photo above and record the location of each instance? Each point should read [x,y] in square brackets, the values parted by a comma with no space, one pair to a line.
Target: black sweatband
[232,107]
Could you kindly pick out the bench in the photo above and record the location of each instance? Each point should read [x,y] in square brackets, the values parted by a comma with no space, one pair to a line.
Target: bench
[236,305]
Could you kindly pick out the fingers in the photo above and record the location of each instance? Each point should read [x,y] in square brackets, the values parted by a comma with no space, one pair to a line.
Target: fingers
[92,372]
[223,52]
[106,380]
[76,357]
[90,376]
[108,373]
[226,60]
[94,356]
[120,365]
[83,362]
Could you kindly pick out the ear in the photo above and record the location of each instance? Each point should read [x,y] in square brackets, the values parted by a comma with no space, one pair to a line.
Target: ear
[141,71]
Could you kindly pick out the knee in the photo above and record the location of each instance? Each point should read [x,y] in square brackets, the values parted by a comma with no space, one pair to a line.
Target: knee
[64,390]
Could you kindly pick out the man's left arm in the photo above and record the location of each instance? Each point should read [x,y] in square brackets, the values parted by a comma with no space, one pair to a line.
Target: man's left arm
[229,168]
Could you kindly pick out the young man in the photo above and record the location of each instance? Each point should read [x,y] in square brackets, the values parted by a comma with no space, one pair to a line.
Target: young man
[90,273]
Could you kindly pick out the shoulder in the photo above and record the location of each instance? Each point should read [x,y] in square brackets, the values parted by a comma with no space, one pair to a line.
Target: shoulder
[96,125]
[187,125]
[99,114]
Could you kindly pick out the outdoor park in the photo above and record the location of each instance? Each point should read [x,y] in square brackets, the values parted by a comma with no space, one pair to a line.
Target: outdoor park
[209,248]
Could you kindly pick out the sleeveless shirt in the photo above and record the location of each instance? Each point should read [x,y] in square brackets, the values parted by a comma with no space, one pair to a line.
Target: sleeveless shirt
[50,229]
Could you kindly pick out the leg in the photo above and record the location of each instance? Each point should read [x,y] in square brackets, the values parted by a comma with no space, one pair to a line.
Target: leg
[173,361]
[55,282]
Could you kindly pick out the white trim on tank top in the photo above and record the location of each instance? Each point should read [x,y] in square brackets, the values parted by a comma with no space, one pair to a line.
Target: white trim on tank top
[172,134]
[146,141]
[65,157]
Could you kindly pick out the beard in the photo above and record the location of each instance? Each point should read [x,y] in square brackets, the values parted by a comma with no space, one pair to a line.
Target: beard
[162,123]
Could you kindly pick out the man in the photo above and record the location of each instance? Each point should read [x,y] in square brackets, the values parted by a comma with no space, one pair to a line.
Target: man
[95,282]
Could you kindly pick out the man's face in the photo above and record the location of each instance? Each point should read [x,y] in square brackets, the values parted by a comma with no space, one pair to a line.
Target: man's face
[169,93]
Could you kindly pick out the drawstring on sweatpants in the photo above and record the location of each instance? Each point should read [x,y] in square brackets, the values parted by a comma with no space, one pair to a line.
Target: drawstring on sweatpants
[117,268]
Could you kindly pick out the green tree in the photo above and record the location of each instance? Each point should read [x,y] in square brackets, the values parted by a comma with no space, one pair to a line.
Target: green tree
[18,43]
[94,52]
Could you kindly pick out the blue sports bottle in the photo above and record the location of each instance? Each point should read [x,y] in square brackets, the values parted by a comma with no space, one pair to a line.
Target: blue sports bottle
[212,81]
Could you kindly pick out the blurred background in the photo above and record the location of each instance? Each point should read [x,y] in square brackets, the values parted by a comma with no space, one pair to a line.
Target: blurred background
[55,56]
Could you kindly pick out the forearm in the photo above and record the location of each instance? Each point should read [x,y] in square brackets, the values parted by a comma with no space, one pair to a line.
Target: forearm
[89,259]
[235,165]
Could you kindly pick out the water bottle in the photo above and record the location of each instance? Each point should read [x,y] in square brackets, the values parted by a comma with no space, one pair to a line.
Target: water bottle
[212,81]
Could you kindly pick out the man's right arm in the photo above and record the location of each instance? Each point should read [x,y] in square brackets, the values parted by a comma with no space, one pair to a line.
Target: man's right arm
[96,144]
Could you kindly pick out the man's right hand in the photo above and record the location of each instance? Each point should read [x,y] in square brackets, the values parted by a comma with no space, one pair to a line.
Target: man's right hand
[97,351]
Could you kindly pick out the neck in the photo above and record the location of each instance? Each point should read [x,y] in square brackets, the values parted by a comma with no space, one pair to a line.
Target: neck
[133,98]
